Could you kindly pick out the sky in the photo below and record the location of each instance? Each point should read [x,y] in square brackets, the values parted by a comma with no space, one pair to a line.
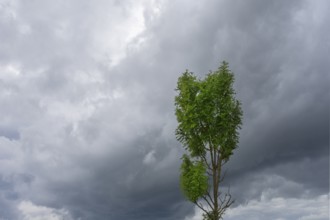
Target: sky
[87,124]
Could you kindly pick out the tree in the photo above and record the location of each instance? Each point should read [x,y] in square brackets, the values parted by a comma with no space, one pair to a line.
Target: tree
[208,118]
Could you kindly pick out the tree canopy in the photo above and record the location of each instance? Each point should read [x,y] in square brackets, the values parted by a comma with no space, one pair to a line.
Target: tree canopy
[209,117]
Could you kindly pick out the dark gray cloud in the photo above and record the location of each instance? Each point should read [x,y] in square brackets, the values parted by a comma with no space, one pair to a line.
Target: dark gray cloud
[86,96]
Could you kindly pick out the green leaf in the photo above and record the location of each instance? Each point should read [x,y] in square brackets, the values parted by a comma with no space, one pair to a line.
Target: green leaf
[193,179]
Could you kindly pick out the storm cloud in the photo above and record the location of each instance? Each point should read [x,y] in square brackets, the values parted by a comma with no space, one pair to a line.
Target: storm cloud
[87,106]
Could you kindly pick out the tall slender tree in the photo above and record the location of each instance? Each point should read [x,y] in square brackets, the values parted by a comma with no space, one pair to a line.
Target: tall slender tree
[209,117]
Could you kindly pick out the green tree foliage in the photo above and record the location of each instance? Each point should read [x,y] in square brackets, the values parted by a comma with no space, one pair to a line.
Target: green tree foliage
[193,179]
[208,117]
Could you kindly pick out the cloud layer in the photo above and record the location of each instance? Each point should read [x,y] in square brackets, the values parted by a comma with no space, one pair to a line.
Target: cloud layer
[86,96]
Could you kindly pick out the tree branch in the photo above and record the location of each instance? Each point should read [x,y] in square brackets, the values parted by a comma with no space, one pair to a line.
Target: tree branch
[219,168]
[209,195]
[201,207]
[223,176]
[208,202]
[206,162]
[225,203]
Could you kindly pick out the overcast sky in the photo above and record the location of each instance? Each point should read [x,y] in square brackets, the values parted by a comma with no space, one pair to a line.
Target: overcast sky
[87,106]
